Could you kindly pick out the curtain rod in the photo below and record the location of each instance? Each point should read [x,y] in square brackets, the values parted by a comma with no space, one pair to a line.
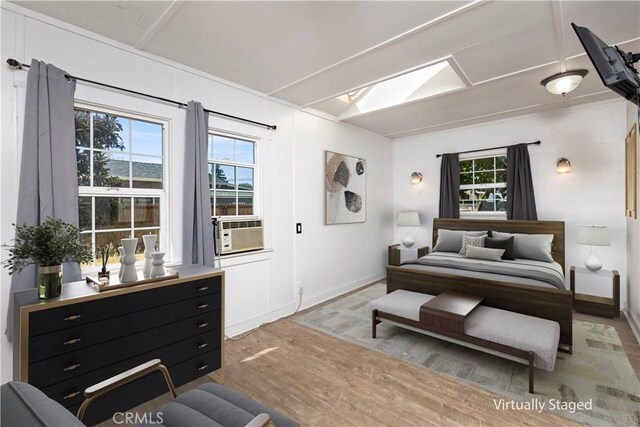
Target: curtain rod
[488,149]
[16,64]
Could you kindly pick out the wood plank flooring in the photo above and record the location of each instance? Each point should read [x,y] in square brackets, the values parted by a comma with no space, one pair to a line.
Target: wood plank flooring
[320,380]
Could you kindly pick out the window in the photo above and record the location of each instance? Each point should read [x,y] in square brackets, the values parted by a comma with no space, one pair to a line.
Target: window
[120,176]
[232,173]
[483,184]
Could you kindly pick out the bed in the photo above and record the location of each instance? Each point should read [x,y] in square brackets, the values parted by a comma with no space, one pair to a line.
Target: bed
[524,295]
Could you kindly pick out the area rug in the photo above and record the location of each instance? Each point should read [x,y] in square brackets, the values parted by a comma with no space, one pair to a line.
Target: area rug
[595,385]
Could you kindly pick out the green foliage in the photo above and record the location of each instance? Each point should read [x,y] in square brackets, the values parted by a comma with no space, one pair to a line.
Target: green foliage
[51,243]
[106,136]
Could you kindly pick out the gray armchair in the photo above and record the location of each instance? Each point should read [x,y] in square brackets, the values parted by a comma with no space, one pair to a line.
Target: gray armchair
[210,405]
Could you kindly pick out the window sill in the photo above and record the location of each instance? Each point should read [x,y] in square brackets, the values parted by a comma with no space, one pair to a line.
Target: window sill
[245,257]
[493,215]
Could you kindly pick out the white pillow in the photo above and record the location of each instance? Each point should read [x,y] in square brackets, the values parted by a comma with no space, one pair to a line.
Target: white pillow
[488,254]
[468,241]
[451,240]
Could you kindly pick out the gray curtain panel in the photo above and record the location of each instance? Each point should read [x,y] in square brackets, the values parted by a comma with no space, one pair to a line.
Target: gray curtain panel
[521,200]
[450,186]
[197,230]
[48,184]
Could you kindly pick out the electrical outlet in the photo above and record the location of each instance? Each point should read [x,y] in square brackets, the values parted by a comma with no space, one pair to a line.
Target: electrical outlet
[300,290]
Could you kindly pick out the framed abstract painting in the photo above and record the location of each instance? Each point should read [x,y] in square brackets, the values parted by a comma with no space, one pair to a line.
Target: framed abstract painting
[345,188]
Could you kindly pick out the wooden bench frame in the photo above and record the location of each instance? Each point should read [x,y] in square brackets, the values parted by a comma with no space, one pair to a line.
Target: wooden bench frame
[528,356]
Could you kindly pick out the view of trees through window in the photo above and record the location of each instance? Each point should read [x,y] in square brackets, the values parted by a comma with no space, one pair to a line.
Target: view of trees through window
[231,175]
[120,177]
[483,184]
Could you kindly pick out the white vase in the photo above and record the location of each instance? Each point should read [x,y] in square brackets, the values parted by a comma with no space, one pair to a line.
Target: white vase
[129,273]
[121,251]
[149,246]
[157,264]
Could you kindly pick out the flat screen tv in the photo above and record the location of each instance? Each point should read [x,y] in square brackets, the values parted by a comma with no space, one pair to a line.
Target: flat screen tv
[614,66]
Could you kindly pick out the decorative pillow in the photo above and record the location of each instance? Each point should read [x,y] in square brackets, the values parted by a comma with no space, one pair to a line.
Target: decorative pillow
[468,241]
[506,244]
[530,246]
[488,254]
[451,240]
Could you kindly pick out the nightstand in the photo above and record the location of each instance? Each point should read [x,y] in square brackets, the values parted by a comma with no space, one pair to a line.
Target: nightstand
[399,253]
[596,305]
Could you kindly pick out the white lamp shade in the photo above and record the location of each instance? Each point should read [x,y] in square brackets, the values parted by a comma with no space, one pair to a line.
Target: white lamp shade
[595,235]
[408,219]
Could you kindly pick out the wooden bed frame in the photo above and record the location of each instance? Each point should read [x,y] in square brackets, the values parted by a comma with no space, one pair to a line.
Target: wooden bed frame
[546,303]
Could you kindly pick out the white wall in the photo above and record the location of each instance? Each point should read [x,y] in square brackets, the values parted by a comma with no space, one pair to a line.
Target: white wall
[633,250]
[327,260]
[590,136]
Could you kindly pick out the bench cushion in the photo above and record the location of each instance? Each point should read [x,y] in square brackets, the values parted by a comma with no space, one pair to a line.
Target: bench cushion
[500,326]
[401,303]
[516,330]
[214,405]
[24,405]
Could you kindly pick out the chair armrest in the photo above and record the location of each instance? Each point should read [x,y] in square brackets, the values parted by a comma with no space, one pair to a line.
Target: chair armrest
[124,378]
[259,421]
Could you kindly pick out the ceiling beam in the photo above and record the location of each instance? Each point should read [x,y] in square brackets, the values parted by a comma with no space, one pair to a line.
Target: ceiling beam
[160,22]
[467,7]
[558,25]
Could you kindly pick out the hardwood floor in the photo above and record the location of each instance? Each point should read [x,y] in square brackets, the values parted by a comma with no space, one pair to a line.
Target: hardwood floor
[319,380]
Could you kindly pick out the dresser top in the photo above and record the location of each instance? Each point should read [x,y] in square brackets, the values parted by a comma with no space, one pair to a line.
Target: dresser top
[74,292]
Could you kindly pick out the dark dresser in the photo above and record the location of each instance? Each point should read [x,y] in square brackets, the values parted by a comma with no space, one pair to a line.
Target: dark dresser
[69,343]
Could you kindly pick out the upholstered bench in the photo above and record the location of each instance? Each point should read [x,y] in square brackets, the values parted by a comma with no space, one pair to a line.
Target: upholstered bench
[506,334]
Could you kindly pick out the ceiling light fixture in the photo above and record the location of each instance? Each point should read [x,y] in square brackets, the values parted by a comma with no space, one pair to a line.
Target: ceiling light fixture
[563,83]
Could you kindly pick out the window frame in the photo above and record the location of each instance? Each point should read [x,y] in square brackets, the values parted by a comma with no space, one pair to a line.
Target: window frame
[256,166]
[475,156]
[130,192]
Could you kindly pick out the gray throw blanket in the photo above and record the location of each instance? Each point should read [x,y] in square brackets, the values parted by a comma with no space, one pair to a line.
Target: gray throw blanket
[550,273]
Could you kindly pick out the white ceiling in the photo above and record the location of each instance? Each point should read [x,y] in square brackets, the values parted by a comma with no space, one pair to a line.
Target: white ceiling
[309,52]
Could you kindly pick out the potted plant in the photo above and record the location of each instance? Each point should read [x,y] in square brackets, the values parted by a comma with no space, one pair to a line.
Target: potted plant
[103,253]
[48,245]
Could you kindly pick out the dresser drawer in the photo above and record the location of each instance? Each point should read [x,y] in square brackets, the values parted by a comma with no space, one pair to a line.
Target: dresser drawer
[71,339]
[145,389]
[68,316]
[69,365]
[71,392]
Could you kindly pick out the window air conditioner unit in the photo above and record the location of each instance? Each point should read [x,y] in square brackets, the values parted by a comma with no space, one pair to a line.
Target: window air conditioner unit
[241,236]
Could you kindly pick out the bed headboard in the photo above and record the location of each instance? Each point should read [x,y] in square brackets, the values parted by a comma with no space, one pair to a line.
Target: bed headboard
[526,227]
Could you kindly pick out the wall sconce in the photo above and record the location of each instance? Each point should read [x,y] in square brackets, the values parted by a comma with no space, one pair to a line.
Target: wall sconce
[563,166]
[416,178]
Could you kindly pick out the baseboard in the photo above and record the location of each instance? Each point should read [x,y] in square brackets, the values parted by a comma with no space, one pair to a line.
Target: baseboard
[254,322]
[340,290]
[634,324]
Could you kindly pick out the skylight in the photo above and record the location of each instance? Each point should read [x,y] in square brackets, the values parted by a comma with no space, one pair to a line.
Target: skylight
[425,82]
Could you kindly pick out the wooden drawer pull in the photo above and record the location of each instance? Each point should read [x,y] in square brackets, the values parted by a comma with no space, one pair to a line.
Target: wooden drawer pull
[73,317]
[203,367]
[203,288]
[203,306]
[203,345]
[203,325]
[72,367]
[72,341]
[71,395]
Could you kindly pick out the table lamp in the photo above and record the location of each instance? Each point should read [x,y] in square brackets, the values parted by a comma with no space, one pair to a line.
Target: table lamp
[594,235]
[408,219]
